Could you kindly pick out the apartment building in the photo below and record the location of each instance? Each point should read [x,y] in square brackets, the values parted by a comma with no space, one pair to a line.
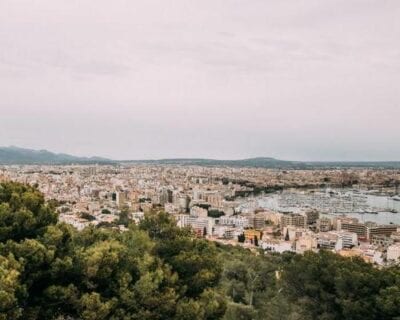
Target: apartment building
[352,225]
[293,219]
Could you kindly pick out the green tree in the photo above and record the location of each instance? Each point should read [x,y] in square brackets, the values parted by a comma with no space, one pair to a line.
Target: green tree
[241,238]
[49,270]
[10,288]
[333,287]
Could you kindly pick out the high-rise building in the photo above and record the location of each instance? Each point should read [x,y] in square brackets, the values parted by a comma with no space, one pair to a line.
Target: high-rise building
[165,196]
[183,203]
[120,198]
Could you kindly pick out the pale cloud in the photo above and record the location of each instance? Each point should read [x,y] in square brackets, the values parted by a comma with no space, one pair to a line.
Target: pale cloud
[295,79]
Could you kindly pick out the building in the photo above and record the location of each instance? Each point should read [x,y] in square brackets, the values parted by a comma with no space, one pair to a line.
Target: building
[256,221]
[214,198]
[225,232]
[183,203]
[328,240]
[165,196]
[349,239]
[273,217]
[251,235]
[381,241]
[198,224]
[230,233]
[381,230]
[273,245]
[196,211]
[393,252]
[396,236]
[337,240]
[324,224]
[120,198]
[234,221]
[294,233]
[311,216]
[306,243]
[352,225]
[296,220]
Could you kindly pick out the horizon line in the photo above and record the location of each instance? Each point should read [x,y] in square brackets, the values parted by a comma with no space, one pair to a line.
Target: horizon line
[105,158]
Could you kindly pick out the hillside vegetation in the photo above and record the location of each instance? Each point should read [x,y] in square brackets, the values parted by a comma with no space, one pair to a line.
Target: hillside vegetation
[155,270]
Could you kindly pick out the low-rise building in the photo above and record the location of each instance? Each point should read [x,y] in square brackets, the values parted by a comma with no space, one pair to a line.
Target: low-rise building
[393,252]
[381,241]
[273,245]
[381,230]
[252,235]
[306,243]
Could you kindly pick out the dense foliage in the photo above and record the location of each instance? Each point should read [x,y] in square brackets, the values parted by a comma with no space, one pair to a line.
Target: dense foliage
[49,270]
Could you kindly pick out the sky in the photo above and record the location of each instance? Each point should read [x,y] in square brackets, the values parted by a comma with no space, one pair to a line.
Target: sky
[225,79]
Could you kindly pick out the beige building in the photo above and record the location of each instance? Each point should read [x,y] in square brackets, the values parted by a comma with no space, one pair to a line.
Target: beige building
[292,219]
[324,224]
[311,216]
[256,221]
[121,198]
[306,243]
[196,211]
[352,225]
[381,230]
[393,252]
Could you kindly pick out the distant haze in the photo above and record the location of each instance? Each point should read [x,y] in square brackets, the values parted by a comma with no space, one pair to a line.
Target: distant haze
[227,79]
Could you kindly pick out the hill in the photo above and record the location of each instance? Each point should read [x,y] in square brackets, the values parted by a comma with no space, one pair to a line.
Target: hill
[15,155]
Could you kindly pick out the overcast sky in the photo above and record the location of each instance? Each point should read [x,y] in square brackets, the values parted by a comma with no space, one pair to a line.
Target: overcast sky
[134,79]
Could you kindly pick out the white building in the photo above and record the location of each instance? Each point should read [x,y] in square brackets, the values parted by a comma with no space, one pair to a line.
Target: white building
[349,239]
[196,211]
[337,240]
[197,223]
[235,221]
[226,232]
[393,252]
[272,245]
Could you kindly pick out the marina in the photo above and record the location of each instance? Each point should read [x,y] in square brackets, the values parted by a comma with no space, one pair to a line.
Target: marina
[331,202]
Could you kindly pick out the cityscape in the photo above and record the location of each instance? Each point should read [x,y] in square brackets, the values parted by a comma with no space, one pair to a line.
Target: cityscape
[199,160]
[269,209]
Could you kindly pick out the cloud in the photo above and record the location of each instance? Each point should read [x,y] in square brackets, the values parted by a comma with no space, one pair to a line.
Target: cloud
[226,78]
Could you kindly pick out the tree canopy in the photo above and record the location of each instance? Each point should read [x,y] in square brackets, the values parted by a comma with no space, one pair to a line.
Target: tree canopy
[49,270]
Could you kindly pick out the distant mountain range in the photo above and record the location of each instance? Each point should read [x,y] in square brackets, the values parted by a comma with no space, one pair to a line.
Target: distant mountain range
[15,155]
[271,163]
[252,162]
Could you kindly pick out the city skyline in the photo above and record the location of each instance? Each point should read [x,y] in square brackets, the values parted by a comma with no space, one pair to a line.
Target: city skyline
[199,159]
[306,81]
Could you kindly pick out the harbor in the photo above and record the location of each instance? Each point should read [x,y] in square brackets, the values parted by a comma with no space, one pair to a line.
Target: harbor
[356,203]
